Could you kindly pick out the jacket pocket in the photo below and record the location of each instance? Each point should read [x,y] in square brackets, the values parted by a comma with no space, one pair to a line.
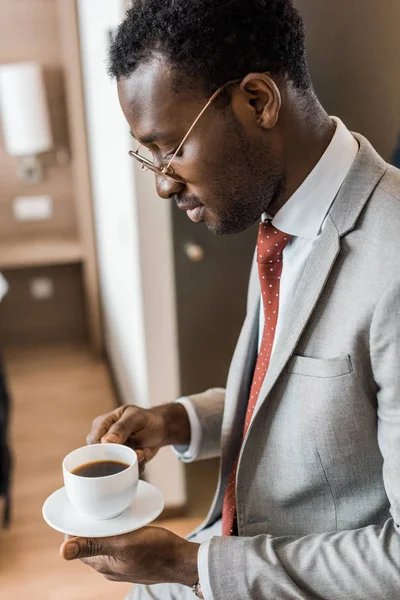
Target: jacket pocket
[320,367]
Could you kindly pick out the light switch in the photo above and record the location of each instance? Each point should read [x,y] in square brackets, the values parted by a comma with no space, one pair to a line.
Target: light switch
[33,208]
[41,288]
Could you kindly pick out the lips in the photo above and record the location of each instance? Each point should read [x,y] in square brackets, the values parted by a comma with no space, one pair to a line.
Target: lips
[196,214]
[188,205]
[194,210]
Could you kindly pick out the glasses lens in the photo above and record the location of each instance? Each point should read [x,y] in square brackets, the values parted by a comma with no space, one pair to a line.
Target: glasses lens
[146,154]
[145,157]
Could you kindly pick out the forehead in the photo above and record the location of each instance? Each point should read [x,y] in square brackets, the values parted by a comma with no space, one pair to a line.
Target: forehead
[153,98]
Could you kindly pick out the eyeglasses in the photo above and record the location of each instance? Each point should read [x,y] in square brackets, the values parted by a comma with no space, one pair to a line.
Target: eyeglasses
[167,170]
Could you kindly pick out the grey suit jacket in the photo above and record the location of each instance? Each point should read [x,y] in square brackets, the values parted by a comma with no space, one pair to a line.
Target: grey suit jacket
[318,483]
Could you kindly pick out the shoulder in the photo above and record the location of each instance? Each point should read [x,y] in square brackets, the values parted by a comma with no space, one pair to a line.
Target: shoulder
[389,185]
[384,204]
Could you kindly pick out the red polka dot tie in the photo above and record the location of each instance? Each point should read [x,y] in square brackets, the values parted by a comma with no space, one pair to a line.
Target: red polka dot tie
[270,245]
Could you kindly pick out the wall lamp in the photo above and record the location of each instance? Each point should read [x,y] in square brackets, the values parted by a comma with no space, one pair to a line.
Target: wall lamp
[25,117]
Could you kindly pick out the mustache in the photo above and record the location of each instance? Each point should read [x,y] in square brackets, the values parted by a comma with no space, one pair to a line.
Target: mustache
[187,201]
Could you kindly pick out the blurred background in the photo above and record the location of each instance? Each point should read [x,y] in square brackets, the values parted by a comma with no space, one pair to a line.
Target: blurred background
[111,295]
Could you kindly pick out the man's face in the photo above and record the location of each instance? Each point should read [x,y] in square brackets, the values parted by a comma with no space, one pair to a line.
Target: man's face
[228,163]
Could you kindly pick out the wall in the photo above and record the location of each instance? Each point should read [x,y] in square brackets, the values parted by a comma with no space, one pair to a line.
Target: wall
[59,318]
[29,31]
[353,50]
[134,246]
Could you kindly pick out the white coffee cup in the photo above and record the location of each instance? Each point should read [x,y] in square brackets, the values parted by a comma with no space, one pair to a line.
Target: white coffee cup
[101,497]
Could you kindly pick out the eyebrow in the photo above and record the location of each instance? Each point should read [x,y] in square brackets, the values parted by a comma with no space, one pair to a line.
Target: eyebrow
[151,138]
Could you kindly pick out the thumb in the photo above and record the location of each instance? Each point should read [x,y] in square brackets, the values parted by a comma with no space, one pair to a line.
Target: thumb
[75,548]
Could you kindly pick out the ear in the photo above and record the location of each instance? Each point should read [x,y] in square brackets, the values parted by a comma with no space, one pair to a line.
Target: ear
[264,97]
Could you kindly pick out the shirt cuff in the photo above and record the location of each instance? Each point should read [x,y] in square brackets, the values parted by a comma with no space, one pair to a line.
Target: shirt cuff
[191,452]
[202,565]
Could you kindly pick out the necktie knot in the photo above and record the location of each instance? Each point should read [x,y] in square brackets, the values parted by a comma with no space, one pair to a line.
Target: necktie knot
[270,243]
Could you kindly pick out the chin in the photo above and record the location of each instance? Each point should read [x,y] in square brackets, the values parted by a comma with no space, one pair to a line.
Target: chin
[222,229]
[229,224]
[213,224]
[228,227]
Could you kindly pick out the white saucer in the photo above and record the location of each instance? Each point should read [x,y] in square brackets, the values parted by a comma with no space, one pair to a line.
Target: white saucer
[59,513]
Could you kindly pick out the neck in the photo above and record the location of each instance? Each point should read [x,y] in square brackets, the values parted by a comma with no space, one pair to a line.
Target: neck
[306,131]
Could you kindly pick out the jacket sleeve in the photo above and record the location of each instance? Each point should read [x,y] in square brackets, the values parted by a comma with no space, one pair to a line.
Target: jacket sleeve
[362,564]
[209,409]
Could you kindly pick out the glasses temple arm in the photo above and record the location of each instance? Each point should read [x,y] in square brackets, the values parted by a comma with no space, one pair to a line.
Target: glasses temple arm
[215,94]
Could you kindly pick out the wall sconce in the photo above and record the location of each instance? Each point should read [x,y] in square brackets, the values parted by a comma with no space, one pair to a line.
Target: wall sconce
[25,117]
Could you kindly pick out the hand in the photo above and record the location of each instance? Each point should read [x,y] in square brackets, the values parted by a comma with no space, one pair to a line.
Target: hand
[146,431]
[149,555]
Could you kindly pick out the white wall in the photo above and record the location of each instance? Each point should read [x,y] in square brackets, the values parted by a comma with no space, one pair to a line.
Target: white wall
[134,242]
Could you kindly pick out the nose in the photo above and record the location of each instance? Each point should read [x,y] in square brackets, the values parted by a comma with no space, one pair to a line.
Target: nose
[167,187]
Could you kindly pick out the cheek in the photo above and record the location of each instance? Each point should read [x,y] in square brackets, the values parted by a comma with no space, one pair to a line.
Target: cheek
[204,159]
[210,168]
[204,180]
[207,190]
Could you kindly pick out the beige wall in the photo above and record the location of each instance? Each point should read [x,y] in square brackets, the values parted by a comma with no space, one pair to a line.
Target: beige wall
[29,31]
[45,31]
[354,57]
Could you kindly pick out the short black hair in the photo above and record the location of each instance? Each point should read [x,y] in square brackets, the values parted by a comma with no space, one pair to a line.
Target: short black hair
[213,41]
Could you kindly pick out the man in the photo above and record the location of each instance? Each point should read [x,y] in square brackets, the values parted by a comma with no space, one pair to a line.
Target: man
[308,429]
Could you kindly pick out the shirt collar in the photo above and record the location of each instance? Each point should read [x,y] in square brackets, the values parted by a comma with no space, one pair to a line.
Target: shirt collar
[305,211]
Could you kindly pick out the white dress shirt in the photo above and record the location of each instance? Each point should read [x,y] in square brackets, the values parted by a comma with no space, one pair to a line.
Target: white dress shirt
[303,217]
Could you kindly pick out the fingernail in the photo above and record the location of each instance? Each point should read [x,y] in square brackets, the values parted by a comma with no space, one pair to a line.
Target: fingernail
[111,437]
[71,551]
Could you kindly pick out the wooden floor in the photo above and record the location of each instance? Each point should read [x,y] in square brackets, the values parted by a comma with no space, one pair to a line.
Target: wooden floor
[56,394]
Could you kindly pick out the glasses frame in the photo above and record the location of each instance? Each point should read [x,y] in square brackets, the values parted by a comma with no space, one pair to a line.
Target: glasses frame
[167,170]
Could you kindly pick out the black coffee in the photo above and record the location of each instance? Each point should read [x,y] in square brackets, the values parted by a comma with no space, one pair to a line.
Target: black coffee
[100,468]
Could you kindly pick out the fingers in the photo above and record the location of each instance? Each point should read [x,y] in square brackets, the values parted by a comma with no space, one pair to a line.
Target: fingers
[131,421]
[100,426]
[141,460]
[102,565]
[117,426]
[144,455]
[82,548]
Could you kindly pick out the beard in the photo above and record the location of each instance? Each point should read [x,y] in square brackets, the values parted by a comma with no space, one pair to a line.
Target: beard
[247,181]
[250,182]
[245,208]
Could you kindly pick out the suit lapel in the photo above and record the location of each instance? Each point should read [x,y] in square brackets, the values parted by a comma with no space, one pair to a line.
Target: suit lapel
[240,376]
[365,174]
